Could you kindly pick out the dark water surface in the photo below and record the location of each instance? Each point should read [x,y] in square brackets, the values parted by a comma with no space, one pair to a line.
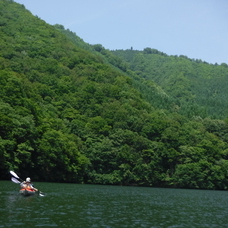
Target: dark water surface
[73,205]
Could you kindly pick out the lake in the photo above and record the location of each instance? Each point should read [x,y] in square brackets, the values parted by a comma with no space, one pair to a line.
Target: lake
[75,205]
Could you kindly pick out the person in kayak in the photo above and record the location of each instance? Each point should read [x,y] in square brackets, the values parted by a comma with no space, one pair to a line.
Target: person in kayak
[27,184]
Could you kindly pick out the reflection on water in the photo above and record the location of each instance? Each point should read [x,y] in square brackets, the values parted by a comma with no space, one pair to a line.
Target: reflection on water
[16,210]
[72,205]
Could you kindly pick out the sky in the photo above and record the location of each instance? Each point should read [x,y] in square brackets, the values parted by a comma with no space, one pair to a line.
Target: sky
[197,29]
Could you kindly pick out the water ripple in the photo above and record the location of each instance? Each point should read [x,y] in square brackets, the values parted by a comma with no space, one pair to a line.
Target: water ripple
[72,205]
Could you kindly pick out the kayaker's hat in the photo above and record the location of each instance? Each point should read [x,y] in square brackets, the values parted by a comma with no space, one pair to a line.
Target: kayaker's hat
[28,179]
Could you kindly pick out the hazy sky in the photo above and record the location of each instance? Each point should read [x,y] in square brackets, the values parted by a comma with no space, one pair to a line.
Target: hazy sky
[195,28]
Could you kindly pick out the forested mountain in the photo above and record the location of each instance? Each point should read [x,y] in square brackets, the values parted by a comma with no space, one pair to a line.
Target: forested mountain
[149,90]
[197,87]
[73,112]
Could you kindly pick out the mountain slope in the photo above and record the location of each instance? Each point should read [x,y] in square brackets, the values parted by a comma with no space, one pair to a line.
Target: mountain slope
[70,115]
[149,90]
[193,84]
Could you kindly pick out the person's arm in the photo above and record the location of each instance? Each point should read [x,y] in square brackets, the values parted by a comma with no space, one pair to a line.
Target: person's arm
[22,184]
[34,188]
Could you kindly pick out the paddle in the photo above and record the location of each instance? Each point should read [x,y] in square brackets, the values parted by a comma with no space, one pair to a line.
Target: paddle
[16,181]
[15,175]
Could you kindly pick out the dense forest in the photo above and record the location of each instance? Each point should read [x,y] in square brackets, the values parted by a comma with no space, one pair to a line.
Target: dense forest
[199,88]
[74,112]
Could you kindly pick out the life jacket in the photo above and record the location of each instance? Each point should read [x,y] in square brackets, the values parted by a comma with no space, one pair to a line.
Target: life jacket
[26,185]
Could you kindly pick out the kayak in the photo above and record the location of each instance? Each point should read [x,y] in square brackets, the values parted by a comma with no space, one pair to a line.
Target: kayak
[27,192]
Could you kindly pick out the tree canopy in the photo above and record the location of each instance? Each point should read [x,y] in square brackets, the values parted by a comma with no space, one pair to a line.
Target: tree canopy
[74,112]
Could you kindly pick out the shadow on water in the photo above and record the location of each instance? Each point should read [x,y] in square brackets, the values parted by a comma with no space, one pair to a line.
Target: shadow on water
[72,205]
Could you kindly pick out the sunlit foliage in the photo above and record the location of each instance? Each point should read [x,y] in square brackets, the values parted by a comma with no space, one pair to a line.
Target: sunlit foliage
[74,112]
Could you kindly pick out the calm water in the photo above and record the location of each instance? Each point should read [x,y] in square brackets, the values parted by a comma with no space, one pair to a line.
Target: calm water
[72,205]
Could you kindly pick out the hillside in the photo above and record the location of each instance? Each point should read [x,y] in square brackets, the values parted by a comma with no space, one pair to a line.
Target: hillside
[76,113]
[149,90]
[197,87]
